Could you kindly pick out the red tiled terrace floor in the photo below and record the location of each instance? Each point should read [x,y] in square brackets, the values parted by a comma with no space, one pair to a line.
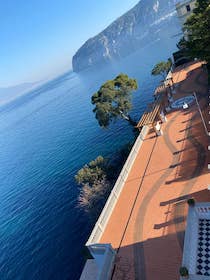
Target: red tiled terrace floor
[148,222]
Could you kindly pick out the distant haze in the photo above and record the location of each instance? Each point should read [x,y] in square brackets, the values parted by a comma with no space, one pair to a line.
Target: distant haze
[8,94]
[148,21]
[38,38]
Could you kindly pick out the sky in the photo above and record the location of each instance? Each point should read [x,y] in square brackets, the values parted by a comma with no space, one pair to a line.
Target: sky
[39,37]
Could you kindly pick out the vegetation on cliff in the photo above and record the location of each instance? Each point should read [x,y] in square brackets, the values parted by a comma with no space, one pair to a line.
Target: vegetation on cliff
[113,100]
[197,27]
[97,179]
[162,68]
[93,179]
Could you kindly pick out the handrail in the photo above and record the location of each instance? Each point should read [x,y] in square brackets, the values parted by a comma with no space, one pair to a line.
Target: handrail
[115,193]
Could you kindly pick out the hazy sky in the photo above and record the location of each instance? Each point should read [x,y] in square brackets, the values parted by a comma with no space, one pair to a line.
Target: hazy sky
[39,37]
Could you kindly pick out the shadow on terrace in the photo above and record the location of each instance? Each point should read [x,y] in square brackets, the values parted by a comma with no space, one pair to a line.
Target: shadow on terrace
[160,257]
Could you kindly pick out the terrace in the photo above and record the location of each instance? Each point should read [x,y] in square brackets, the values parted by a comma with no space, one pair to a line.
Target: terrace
[144,218]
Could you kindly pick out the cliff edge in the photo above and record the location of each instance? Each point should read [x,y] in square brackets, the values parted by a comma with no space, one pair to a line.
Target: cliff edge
[145,22]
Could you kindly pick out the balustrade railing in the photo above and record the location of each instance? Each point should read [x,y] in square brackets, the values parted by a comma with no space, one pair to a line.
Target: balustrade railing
[118,187]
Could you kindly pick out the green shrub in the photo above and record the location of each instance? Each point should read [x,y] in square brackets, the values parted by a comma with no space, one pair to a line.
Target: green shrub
[183,271]
[191,202]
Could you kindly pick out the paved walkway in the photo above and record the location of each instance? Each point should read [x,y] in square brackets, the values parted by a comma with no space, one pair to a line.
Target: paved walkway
[148,222]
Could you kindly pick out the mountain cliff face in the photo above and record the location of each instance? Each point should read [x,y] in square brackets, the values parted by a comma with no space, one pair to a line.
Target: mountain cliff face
[148,21]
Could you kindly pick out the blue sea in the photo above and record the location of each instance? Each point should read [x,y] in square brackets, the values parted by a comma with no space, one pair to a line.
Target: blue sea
[45,137]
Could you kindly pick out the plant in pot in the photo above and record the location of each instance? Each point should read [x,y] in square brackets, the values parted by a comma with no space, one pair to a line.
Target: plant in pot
[184,272]
[191,202]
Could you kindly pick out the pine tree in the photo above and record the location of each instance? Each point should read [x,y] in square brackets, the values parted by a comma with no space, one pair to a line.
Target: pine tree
[113,100]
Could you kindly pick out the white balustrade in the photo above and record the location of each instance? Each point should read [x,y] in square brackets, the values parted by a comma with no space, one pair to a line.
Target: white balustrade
[104,254]
[118,187]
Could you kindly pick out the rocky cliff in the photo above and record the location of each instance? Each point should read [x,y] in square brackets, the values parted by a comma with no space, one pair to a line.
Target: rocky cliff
[149,20]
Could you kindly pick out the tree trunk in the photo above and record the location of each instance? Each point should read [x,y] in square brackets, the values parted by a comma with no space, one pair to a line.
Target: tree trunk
[124,116]
[131,121]
[128,119]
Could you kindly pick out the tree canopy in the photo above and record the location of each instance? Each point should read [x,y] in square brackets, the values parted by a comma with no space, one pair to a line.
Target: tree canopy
[162,68]
[95,185]
[197,27]
[92,172]
[113,99]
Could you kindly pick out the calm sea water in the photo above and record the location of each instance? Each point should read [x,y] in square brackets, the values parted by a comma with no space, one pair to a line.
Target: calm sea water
[46,136]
